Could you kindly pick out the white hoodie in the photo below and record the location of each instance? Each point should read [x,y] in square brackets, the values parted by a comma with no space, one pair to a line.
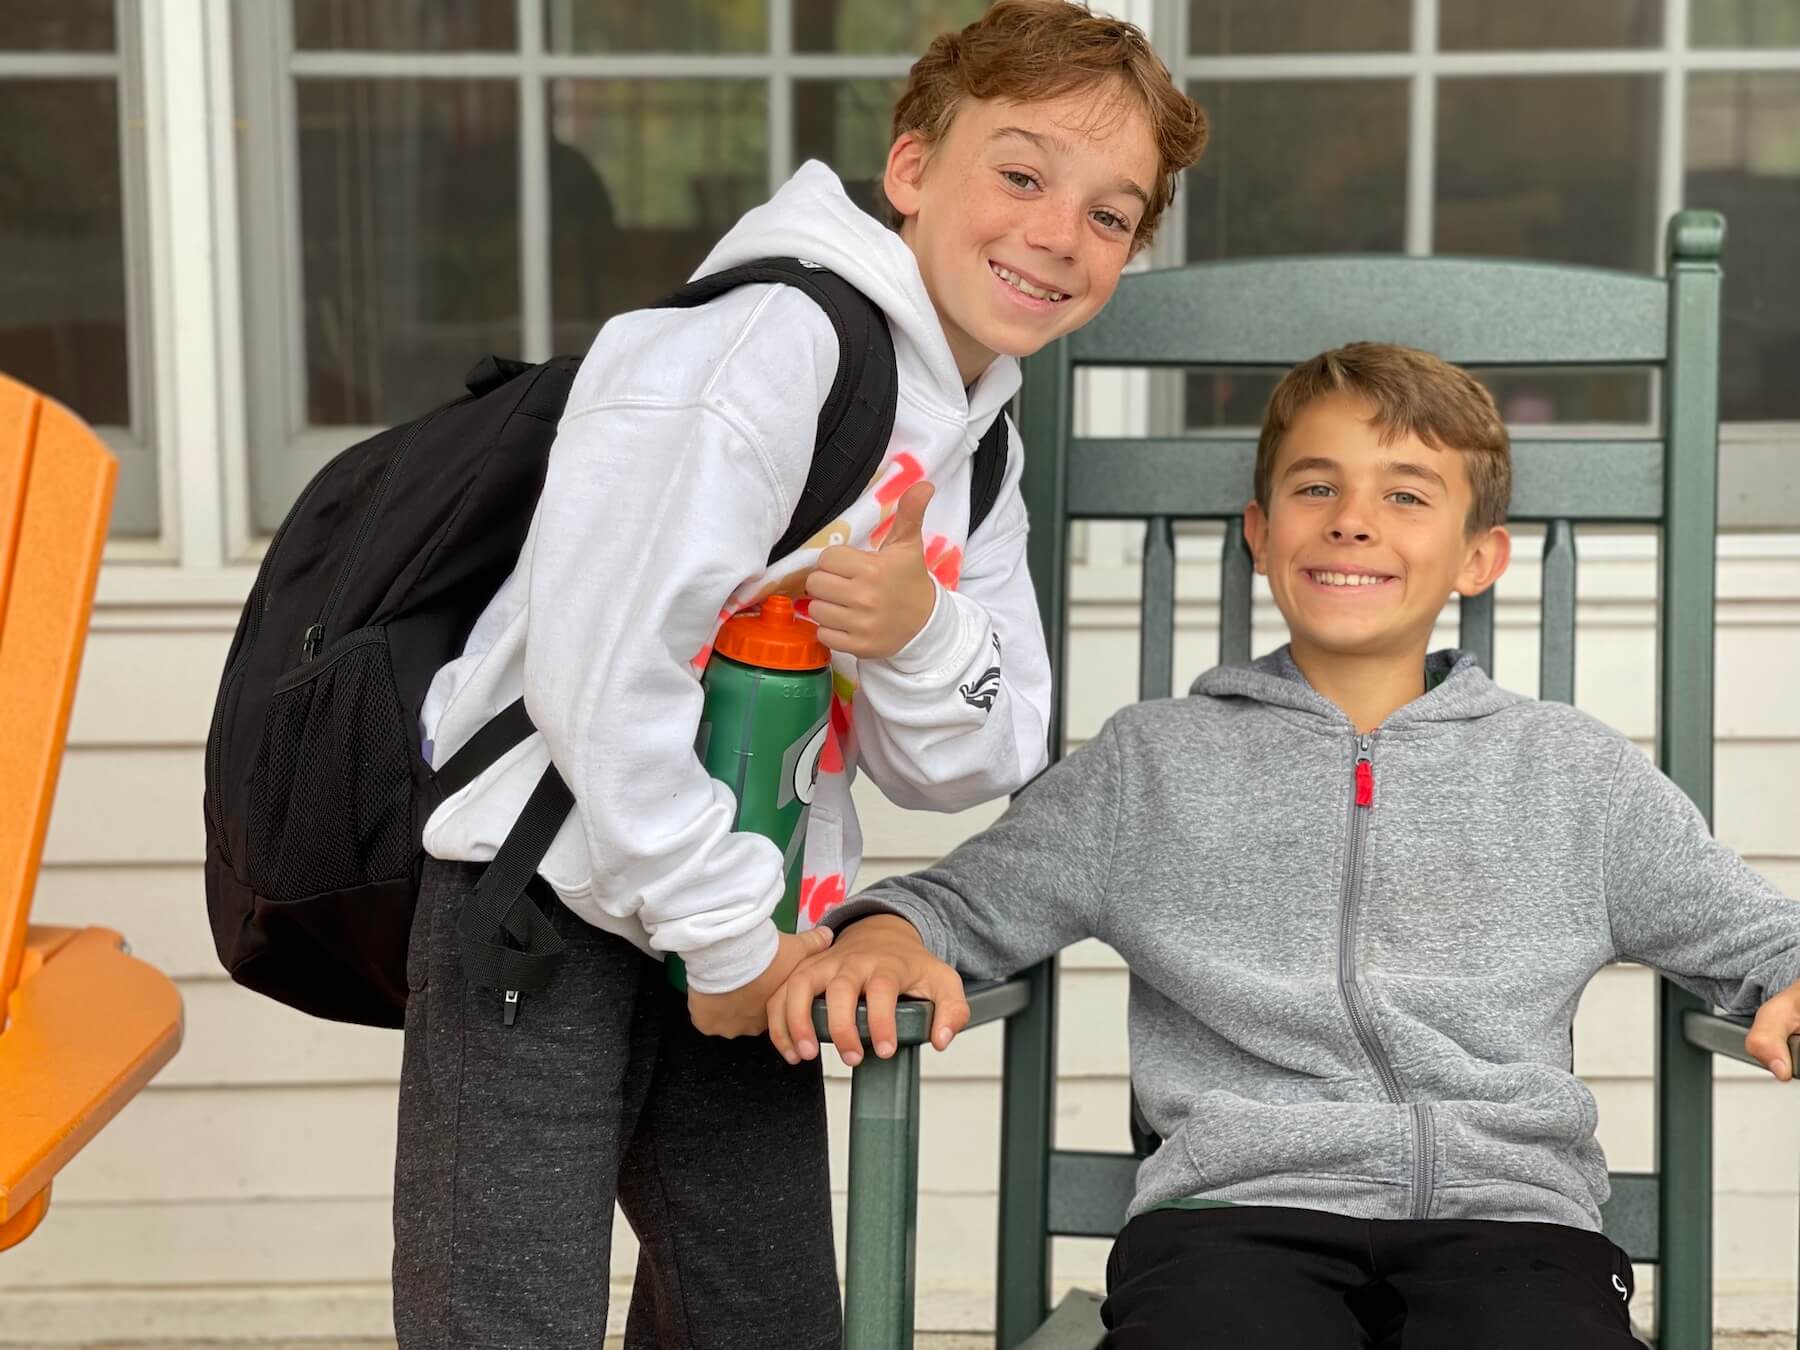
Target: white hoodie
[678,463]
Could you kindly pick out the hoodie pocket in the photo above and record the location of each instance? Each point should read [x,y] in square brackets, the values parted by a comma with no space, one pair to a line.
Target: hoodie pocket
[1230,1139]
[1535,1130]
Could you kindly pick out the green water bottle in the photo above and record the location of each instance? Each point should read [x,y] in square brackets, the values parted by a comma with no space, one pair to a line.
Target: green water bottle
[768,705]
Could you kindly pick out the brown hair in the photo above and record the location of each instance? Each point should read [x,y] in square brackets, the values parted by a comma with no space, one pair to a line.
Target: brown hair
[1414,393]
[1033,50]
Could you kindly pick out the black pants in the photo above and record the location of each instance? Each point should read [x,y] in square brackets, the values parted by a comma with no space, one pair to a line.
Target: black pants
[1262,1278]
[515,1141]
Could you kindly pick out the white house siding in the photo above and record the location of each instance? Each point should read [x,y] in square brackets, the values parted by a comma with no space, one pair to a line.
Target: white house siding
[247,1190]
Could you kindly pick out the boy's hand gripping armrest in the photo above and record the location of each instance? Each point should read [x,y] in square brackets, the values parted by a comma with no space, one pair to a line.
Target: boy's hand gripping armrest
[1772,1035]
[878,959]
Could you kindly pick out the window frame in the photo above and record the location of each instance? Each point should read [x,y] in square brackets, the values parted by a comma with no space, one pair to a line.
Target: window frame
[267,67]
[1754,490]
[144,495]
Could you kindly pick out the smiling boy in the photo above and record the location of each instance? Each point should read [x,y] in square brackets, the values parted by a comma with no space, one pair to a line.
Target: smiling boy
[1034,153]
[1360,890]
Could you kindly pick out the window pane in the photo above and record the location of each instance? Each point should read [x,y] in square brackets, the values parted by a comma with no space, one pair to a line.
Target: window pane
[846,124]
[56,25]
[404,25]
[902,26]
[1228,398]
[1293,167]
[1528,25]
[1560,168]
[1236,398]
[409,238]
[1743,158]
[1557,169]
[1745,23]
[62,246]
[1299,167]
[1542,397]
[645,175]
[1249,27]
[661,26]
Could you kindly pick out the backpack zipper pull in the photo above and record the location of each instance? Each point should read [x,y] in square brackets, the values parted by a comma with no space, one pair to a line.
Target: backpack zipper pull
[510,1005]
[312,642]
[1365,773]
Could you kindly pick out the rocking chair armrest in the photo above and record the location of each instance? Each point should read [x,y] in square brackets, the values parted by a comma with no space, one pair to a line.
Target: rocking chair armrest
[1723,1034]
[989,1001]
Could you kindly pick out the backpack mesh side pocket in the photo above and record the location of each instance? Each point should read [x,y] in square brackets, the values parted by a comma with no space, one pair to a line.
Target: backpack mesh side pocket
[332,791]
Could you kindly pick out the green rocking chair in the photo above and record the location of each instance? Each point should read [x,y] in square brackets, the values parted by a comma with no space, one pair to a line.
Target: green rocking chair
[1271,313]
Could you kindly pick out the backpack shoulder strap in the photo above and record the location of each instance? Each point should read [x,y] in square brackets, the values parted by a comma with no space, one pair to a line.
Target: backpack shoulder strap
[988,472]
[858,416]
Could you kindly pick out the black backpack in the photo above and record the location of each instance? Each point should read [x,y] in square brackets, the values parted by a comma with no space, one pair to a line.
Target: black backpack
[317,791]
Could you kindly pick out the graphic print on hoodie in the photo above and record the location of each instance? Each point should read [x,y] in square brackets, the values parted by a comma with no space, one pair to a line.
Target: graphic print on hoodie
[678,462]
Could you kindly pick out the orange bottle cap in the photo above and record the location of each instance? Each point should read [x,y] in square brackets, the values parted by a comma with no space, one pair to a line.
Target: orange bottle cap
[773,637]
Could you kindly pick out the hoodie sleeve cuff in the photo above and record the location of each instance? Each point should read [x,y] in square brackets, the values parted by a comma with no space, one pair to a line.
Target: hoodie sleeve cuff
[853,911]
[732,962]
[935,646]
[919,916]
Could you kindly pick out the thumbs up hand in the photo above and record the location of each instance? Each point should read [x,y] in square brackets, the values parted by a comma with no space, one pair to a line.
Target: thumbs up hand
[871,604]
[908,529]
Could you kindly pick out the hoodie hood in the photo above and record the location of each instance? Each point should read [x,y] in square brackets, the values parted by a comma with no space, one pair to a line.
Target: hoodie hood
[812,218]
[1462,693]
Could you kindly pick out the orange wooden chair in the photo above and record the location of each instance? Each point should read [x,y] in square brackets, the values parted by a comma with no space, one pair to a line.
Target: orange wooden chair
[83,1026]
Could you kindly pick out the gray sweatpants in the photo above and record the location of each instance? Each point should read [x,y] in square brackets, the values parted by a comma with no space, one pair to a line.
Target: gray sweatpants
[515,1141]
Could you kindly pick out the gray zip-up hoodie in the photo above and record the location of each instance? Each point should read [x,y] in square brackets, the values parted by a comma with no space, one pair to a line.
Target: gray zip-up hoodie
[1355,959]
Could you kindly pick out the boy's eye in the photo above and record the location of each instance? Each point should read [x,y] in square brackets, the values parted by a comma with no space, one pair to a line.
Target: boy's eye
[1018,178]
[1315,490]
[1405,498]
[1112,220]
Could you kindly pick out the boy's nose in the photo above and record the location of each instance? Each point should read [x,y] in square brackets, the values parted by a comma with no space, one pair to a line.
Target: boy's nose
[1054,229]
[1348,525]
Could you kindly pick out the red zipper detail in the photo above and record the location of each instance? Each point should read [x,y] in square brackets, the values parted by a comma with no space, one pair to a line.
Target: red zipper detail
[1365,783]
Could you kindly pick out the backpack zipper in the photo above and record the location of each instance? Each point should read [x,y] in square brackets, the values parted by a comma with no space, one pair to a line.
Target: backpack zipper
[1362,805]
[312,642]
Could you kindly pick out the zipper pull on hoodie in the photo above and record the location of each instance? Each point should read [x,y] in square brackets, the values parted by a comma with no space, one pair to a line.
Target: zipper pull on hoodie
[1365,773]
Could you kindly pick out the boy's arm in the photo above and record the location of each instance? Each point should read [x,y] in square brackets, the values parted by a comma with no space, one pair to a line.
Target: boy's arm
[1027,886]
[959,715]
[1682,902]
[654,510]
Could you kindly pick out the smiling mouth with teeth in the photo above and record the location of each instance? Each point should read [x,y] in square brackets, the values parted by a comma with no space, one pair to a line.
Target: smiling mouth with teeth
[1024,287]
[1349,580]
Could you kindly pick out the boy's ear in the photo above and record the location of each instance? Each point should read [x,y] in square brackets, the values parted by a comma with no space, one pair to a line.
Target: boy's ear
[1489,553]
[905,173]
[1256,534]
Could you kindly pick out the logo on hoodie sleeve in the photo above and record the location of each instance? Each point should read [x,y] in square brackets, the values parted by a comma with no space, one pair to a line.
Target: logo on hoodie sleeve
[981,693]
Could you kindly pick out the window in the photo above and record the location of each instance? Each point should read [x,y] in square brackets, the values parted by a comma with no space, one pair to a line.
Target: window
[73,303]
[1536,129]
[423,183]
